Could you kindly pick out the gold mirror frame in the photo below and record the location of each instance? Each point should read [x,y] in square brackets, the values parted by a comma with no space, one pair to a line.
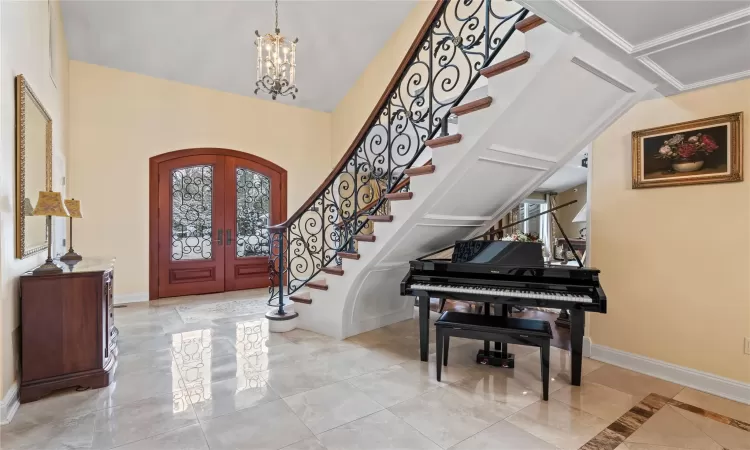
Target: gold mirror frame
[23,94]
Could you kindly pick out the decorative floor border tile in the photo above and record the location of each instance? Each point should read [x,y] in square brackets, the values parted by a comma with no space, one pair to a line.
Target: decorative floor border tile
[621,429]
[744,426]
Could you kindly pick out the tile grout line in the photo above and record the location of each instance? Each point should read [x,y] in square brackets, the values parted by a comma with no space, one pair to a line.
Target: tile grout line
[621,429]
[720,418]
[156,435]
[696,426]
[627,424]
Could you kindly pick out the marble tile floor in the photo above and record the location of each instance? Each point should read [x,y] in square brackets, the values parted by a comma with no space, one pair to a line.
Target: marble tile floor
[227,383]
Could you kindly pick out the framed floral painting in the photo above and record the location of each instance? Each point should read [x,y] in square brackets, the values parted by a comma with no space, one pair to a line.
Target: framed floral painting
[700,151]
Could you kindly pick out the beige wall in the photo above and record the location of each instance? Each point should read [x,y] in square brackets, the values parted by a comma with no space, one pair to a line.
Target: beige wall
[24,49]
[352,111]
[675,261]
[567,214]
[120,119]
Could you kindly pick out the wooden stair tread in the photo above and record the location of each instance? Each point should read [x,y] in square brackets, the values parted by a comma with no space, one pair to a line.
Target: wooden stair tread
[301,298]
[399,196]
[320,285]
[380,218]
[365,237]
[348,255]
[476,105]
[421,170]
[506,65]
[443,141]
[333,270]
[529,23]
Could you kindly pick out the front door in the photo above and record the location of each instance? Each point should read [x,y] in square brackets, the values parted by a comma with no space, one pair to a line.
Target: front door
[211,219]
[252,203]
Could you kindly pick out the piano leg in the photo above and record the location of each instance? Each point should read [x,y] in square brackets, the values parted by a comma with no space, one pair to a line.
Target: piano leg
[577,324]
[487,343]
[424,327]
[502,347]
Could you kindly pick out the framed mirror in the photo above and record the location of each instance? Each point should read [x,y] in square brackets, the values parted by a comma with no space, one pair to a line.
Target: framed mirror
[33,168]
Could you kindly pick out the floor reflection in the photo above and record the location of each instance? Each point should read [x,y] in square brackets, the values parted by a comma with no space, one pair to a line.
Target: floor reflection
[196,353]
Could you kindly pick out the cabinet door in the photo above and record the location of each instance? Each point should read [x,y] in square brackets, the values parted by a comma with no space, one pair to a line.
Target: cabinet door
[62,321]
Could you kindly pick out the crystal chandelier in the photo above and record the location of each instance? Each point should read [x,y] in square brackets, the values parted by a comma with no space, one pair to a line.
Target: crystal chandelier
[276,62]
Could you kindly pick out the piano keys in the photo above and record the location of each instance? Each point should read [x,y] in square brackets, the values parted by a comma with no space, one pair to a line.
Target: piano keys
[506,273]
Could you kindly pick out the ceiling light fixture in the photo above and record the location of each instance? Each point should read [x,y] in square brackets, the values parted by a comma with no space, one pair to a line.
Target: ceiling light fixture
[276,63]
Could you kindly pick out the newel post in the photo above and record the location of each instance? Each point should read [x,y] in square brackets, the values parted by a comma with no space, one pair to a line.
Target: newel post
[280,319]
[280,270]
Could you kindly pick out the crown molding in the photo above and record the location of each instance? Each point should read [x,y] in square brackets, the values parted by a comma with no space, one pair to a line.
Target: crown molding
[693,32]
[589,19]
[670,40]
[676,36]
[659,70]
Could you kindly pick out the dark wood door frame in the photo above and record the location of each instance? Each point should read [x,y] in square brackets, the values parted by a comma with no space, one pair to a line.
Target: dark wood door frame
[153,201]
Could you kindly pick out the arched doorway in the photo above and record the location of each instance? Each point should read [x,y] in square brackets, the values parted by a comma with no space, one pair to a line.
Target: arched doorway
[208,212]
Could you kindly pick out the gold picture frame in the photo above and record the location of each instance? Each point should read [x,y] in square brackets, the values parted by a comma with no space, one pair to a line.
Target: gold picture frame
[26,99]
[700,151]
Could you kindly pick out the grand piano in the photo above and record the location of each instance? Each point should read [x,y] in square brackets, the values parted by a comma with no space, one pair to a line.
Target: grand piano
[506,273]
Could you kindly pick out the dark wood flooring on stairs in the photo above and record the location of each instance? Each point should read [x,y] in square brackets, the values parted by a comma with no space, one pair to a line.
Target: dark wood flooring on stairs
[561,335]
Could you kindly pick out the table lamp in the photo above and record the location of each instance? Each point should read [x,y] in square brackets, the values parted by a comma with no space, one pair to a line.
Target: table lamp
[49,204]
[74,209]
[582,217]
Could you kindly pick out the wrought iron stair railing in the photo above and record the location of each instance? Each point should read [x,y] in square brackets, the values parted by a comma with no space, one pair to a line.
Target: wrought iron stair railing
[458,39]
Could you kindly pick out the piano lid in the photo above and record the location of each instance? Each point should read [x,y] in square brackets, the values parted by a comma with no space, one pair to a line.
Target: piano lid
[439,253]
[499,253]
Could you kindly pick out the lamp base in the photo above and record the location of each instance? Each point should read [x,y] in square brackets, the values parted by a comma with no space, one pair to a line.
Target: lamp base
[47,268]
[71,256]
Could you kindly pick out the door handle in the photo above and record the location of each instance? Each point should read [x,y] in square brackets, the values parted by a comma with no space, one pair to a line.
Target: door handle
[219,235]
[229,236]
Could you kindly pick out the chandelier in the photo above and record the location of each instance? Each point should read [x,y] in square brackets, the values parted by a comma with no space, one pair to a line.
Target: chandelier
[276,62]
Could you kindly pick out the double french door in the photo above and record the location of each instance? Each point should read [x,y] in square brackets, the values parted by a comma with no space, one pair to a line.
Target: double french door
[213,210]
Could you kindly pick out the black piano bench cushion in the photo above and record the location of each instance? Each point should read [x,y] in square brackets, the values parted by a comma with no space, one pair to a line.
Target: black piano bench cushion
[496,324]
[494,328]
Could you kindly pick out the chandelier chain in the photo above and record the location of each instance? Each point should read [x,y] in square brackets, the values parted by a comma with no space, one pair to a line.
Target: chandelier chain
[277,15]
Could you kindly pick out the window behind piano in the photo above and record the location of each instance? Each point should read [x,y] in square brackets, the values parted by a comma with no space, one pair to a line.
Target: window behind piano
[538,225]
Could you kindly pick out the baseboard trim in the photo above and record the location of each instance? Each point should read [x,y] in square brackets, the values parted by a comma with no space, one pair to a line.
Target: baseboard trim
[702,381]
[9,405]
[131,298]
[586,347]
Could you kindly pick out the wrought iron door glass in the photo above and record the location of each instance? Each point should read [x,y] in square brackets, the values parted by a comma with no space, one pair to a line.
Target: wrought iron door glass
[253,213]
[192,227]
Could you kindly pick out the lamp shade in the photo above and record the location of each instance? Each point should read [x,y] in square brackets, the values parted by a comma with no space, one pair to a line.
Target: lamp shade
[74,208]
[582,215]
[28,208]
[50,204]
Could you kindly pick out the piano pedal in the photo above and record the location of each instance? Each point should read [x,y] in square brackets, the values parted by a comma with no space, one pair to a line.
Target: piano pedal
[495,359]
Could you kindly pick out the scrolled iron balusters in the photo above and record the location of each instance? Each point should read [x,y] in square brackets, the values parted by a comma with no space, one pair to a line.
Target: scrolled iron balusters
[464,37]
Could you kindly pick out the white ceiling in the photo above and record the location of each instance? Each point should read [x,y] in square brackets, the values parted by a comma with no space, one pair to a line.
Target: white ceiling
[679,45]
[568,176]
[211,43]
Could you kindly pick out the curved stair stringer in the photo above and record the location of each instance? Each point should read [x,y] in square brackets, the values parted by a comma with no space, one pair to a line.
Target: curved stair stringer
[542,113]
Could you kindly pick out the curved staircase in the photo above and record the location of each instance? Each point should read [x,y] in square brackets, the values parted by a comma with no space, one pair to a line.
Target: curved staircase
[447,158]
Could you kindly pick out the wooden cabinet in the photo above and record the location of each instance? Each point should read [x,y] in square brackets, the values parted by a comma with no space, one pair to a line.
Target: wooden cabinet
[68,334]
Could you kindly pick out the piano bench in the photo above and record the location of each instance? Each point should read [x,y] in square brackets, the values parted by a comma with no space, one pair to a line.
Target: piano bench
[486,328]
